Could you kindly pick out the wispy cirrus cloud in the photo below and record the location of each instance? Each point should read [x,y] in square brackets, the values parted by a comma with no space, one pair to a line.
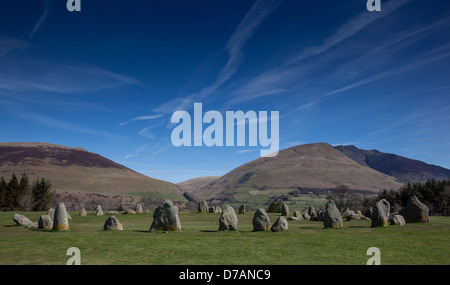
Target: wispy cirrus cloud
[141,118]
[260,10]
[41,19]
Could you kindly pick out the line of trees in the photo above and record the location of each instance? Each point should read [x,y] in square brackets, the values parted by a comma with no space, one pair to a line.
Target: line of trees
[435,194]
[19,194]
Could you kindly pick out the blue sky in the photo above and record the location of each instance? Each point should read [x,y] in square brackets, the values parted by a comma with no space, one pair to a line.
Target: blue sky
[109,78]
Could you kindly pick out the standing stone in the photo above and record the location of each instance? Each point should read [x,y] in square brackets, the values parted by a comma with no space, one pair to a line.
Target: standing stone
[398,220]
[242,209]
[284,210]
[380,215]
[261,221]
[332,217]
[83,212]
[228,220]
[130,212]
[166,217]
[319,216]
[45,222]
[348,213]
[202,207]
[217,210]
[60,220]
[139,209]
[312,213]
[281,224]
[415,211]
[306,216]
[98,211]
[22,220]
[112,223]
[51,213]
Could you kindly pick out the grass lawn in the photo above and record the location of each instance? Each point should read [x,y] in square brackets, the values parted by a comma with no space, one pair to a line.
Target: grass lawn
[199,242]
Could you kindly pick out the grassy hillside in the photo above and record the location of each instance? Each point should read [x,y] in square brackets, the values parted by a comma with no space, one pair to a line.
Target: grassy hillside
[199,243]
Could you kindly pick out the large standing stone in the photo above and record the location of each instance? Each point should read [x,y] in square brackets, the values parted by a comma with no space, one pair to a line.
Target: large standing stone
[398,220]
[166,217]
[228,220]
[98,211]
[83,212]
[261,221]
[22,220]
[112,223]
[380,215]
[60,220]
[415,211]
[281,224]
[284,209]
[306,216]
[202,207]
[45,222]
[332,217]
[139,209]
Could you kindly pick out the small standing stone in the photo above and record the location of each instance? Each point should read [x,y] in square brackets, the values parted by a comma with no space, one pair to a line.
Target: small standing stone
[261,221]
[166,217]
[398,220]
[242,209]
[112,223]
[284,209]
[312,213]
[203,207]
[281,224]
[228,220]
[332,217]
[380,215]
[139,209]
[60,220]
[45,222]
[98,211]
[83,212]
[22,220]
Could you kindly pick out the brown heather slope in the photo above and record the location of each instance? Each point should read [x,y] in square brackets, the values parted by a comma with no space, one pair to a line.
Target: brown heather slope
[76,170]
[318,166]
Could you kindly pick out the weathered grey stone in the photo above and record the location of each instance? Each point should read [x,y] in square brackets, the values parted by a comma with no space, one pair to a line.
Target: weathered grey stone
[98,211]
[203,207]
[332,217]
[217,210]
[51,213]
[228,220]
[139,209]
[130,212]
[398,220]
[83,212]
[415,211]
[261,221]
[312,213]
[45,222]
[22,220]
[353,216]
[242,209]
[166,217]
[380,213]
[60,219]
[347,212]
[112,223]
[113,213]
[284,209]
[281,224]
[306,216]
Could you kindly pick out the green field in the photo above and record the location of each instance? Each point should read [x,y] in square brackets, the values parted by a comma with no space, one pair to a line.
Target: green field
[200,243]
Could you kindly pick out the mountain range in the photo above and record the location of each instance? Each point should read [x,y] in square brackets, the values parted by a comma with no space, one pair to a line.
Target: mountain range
[311,166]
[318,166]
